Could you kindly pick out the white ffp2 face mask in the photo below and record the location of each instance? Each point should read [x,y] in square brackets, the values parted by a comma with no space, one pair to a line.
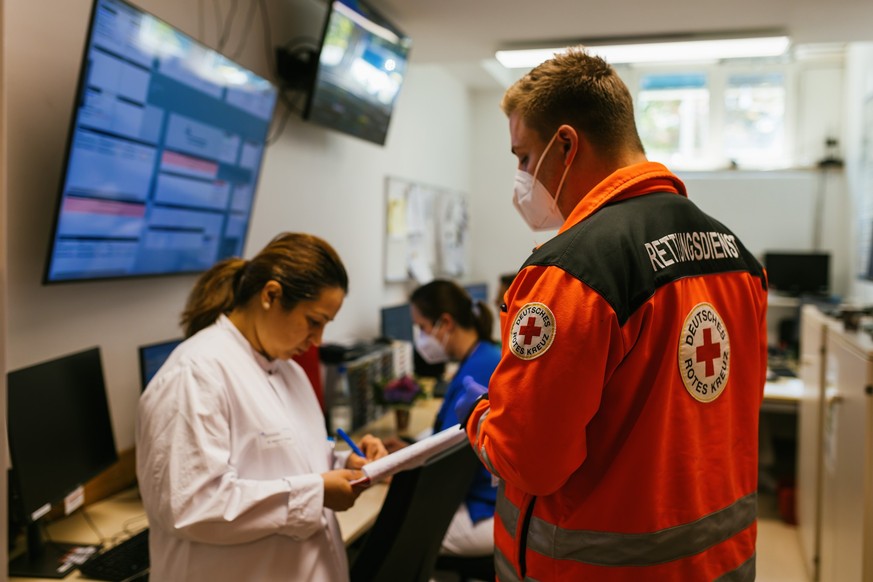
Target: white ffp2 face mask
[430,349]
[534,202]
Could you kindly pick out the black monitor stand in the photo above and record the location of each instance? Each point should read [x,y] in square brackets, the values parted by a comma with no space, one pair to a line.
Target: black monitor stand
[44,559]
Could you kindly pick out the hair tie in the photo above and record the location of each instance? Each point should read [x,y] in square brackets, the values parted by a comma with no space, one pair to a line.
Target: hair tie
[476,311]
[239,276]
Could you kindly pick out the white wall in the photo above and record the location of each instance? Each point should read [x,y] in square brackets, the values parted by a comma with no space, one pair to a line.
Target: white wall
[313,180]
[333,185]
[500,239]
[859,90]
[778,211]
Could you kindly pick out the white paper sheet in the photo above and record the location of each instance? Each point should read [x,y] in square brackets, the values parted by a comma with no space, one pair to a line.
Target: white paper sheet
[412,456]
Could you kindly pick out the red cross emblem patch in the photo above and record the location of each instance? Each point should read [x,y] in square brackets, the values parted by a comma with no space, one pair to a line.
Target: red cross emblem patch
[533,331]
[704,353]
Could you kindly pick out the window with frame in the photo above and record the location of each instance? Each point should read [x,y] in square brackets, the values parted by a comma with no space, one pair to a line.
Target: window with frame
[754,119]
[712,117]
[673,116]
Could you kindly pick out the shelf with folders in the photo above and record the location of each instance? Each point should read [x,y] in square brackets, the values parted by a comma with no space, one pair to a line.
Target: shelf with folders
[350,384]
[363,376]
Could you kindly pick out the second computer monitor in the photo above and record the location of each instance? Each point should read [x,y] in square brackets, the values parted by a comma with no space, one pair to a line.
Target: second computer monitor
[798,273]
[396,324]
[477,291]
[152,357]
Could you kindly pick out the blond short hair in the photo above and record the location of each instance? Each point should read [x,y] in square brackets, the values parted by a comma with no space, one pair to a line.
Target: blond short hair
[580,90]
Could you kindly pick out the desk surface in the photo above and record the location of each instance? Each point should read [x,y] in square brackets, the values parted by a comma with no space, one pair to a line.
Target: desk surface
[122,515]
[784,389]
[116,518]
[782,395]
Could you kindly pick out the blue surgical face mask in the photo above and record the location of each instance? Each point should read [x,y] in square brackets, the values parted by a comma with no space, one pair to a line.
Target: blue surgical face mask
[429,347]
[534,201]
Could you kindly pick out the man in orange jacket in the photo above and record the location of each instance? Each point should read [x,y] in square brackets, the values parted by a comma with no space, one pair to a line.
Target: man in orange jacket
[622,419]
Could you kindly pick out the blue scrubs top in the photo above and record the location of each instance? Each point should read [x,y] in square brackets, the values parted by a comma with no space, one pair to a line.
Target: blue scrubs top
[480,364]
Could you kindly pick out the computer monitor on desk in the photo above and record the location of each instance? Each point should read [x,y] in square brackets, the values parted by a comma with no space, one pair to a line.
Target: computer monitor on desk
[152,357]
[396,324]
[477,291]
[60,436]
[798,273]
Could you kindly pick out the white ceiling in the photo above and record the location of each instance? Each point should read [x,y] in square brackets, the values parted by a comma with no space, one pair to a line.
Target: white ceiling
[462,33]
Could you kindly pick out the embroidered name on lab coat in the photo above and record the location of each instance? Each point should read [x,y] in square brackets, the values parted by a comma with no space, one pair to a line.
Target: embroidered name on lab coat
[278,437]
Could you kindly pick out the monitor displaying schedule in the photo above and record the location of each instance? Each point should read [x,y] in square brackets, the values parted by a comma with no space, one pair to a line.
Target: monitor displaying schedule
[164,153]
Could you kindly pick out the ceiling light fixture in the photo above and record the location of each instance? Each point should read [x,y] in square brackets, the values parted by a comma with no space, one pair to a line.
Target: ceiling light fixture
[666,51]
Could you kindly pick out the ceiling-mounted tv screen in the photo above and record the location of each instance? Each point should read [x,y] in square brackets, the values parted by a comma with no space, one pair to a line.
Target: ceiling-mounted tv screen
[360,69]
[163,155]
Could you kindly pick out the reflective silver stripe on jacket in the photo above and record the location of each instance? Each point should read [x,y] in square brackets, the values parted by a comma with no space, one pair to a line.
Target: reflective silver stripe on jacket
[745,573]
[504,570]
[482,453]
[507,511]
[618,549]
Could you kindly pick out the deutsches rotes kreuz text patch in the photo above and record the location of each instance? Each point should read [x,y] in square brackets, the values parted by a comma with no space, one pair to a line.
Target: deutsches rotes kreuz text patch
[533,331]
[704,353]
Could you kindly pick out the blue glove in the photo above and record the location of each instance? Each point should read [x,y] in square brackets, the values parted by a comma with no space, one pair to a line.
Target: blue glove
[473,393]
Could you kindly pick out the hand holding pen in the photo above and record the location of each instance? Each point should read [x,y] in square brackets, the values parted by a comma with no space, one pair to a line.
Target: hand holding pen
[371,449]
[345,436]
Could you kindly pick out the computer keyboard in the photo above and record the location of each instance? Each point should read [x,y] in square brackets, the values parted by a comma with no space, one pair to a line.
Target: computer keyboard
[782,371]
[126,561]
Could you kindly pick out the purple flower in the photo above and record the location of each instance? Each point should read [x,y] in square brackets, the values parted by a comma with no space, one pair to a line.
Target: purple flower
[403,390]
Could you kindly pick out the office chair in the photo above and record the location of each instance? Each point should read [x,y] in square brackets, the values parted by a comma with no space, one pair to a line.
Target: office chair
[405,539]
[468,567]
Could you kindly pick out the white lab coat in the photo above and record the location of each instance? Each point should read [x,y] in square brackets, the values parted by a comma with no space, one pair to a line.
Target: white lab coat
[230,448]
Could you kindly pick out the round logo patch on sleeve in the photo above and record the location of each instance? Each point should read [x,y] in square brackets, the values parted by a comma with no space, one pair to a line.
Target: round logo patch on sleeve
[533,331]
[704,353]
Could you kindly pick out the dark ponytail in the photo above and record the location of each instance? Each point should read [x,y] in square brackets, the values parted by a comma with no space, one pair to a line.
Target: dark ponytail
[444,296]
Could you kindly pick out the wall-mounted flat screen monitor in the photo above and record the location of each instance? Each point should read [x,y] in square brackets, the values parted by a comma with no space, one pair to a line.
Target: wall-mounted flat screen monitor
[163,155]
[361,66]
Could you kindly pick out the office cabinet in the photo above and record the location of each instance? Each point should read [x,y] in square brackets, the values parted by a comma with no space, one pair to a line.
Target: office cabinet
[813,334]
[847,459]
[835,450]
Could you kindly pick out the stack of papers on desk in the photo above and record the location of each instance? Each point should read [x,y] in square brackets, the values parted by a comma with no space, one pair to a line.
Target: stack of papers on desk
[410,457]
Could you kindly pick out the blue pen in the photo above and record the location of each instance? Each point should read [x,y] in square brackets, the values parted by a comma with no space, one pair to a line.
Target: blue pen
[343,435]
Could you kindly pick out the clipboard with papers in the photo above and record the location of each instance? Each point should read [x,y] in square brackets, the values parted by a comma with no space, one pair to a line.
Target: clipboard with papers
[410,457]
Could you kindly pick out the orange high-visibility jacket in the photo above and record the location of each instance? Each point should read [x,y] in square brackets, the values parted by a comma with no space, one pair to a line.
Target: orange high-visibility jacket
[623,416]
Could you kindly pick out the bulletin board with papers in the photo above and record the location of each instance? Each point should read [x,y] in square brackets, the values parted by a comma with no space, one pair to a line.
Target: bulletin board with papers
[426,231]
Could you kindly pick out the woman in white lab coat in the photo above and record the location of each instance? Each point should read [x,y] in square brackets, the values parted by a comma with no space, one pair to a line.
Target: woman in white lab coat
[236,473]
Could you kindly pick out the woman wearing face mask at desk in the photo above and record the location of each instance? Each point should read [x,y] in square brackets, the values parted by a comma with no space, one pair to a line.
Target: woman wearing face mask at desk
[450,326]
[235,470]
